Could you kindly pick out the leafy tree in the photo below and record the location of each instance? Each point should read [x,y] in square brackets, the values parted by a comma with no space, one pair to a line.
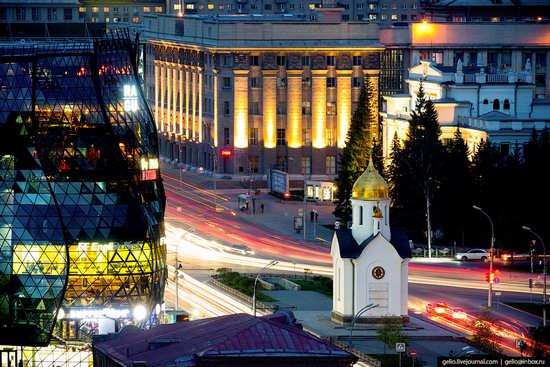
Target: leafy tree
[356,153]
[391,332]
[541,339]
[484,335]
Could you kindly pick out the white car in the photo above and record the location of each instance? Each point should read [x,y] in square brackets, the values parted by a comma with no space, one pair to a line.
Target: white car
[473,254]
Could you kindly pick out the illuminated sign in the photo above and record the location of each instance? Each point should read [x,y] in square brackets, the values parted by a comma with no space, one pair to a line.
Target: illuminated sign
[226,152]
[96,313]
[130,98]
[150,174]
[151,163]
[110,246]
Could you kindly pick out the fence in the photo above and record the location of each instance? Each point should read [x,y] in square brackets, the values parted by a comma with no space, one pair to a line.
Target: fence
[371,362]
[240,295]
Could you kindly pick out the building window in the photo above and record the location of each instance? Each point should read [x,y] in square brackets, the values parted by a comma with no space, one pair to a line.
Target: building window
[540,59]
[485,101]
[226,138]
[361,215]
[281,163]
[135,20]
[95,9]
[345,17]
[253,136]
[506,105]
[331,82]
[414,17]
[281,137]
[331,108]
[414,6]
[306,61]
[158,9]
[356,82]
[267,7]
[226,108]
[67,14]
[306,108]
[254,82]
[255,108]
[330,137]
[306,137]
[496,104]
[21,14]
[506,59]
[394,6]
[357,61]
[35,14]
[254,60]
[306,82]
[373,16]
[306,165]
[331,60]
[227,61]
[106,10]
[146,9]
[330,165]
[403,16]
[360,17]
[281,108]
[372,6]
[281,82]
[360,6]
[254,164]
[384,16]
[115,9]
[281,60]
[394,17]
[472,58]
[226,82]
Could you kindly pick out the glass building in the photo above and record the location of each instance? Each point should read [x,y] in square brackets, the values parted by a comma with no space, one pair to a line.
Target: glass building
[81,198]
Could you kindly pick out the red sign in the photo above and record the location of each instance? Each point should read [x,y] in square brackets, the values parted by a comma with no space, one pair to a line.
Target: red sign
[226,152]
[413,353]
[150,174]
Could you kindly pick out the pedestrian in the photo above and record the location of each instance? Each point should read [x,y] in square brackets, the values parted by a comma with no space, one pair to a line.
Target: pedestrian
[262,207]
[312,215]
[316,215]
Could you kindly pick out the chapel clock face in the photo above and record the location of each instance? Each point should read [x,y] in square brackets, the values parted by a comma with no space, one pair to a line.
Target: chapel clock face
[378,272]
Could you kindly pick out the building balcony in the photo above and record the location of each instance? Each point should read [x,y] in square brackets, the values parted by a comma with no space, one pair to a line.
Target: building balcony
[242,1]
[281,1]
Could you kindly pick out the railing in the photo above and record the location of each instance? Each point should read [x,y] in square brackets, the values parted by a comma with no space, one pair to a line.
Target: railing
[497,78]
[361,355]
[469,78]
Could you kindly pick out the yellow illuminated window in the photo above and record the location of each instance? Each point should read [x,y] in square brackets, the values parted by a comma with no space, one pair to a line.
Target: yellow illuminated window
[158,9]
[146,9]
[312,6]
[82,9]
[135,20]
[39,259]
[177,7]
[106,9]
[95,9]
[210,6]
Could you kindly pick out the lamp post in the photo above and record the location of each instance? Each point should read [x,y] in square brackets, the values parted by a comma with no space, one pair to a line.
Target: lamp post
[305,209]
[368,307]
[543,273]
[178,264]
[490,296]
[272,263]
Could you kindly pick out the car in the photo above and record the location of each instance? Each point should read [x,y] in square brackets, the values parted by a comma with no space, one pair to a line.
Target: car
[241,250]
[457,313]
[473,254]
[437,308]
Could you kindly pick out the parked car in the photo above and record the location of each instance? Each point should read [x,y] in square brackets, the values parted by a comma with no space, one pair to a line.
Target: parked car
[473,254]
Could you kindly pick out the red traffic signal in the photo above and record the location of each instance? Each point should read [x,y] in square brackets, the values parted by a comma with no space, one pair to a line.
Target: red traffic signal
[490,277]
[487,277]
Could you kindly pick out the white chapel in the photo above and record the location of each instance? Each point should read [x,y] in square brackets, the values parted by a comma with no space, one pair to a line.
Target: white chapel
[370,261]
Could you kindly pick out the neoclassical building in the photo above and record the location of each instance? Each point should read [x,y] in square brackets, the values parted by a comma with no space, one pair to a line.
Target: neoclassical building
[257,92]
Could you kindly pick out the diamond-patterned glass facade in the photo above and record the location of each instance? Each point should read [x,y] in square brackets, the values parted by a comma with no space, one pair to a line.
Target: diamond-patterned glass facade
[81,199]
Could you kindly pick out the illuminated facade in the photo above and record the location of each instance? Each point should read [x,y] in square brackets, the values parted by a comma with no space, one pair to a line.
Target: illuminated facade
[82,202]
[278,93]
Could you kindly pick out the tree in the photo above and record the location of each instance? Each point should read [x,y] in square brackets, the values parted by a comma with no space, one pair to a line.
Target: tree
[485,336]
[356,153]
[391,332]
[377,155]
[540,337]
[418,162]
[454,198]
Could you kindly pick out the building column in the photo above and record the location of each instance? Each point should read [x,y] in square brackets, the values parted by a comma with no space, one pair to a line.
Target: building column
[187,89]
[318,108]
[157,80]
[269,102]
[194,104]
[240,116]
[294,108]
[343,105]
[168,98]
[200,71]
[175,84]
[180,90]
[162,96]
[216,73]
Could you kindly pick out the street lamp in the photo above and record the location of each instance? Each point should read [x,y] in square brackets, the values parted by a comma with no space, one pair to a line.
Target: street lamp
[368,307]
[272,263]
[429,223]
[543,274]
[490,296]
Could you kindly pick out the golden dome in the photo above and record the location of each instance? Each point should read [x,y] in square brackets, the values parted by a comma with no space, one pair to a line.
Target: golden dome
[370,185]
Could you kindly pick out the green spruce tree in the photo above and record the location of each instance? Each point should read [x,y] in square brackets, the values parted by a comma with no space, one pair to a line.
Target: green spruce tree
[356,153]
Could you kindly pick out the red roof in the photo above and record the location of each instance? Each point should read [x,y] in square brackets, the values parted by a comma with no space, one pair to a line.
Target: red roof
[233,335]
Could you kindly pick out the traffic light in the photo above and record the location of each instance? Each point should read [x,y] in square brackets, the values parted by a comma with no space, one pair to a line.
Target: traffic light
[490,277]
[487,277]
